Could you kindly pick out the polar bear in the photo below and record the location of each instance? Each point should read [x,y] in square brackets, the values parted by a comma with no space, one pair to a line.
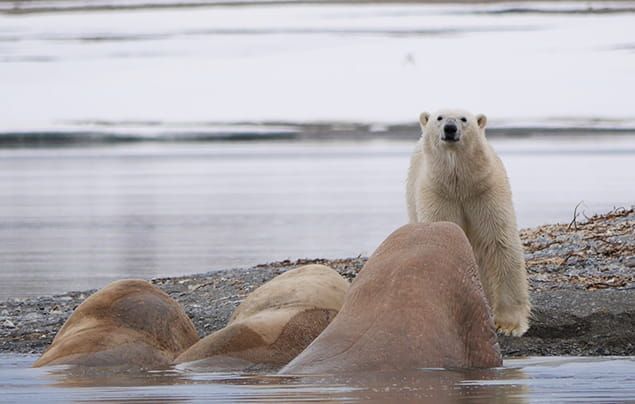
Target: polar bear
[456,176]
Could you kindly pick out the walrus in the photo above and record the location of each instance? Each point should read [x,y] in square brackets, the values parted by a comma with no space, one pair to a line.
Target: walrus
[274,323]
[127,323]
[417,303]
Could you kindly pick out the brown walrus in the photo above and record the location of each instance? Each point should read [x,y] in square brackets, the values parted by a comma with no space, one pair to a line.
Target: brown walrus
[417,303]
[274,323]
[129,322]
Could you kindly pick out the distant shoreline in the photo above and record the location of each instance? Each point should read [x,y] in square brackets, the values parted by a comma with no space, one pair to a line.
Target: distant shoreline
[508,7]
[582,281]
[268,131]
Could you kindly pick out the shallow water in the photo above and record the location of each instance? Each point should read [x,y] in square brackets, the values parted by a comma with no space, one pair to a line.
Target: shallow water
[536,380]
[78,218]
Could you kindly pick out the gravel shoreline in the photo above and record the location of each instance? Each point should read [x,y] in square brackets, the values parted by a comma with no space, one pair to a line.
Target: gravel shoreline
[582,280]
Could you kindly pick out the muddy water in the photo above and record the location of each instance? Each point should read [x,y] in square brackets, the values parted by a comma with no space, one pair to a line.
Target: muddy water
[565,379]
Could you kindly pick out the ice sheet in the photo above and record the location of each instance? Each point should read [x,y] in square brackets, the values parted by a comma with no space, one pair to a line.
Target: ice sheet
[366,63]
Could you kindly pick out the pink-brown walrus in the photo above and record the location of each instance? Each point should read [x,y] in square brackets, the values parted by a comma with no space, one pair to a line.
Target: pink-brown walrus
[127,323]
[417,303]
[274,323]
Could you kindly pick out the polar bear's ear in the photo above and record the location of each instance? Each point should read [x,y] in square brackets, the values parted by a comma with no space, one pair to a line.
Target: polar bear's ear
[423,119]
[481,120]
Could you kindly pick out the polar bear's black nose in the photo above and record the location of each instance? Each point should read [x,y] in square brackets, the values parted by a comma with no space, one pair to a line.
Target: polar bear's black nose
[450,129]
[450,132]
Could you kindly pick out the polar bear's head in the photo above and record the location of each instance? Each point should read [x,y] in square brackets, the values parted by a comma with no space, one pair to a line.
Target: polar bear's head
[453,128]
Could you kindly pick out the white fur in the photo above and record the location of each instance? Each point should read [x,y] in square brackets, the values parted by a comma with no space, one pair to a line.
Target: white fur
[465,182]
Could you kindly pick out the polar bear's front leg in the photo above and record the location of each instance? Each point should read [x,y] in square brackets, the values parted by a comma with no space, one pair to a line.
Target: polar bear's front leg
[498,249]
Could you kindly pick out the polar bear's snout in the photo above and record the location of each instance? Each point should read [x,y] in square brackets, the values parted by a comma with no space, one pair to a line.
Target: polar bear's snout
[451,132]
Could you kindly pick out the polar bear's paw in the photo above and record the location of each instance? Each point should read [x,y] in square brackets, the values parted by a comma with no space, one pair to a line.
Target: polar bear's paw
[513,320]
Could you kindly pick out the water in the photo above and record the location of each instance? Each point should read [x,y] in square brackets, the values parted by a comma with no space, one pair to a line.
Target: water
[536,380]
[78,218]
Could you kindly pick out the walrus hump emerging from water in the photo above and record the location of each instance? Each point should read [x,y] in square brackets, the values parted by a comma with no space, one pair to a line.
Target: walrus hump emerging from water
[129,322]
[417,303]
[274,323]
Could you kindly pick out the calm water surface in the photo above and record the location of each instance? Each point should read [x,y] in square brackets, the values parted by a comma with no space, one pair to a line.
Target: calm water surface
[533,380]
[78,218]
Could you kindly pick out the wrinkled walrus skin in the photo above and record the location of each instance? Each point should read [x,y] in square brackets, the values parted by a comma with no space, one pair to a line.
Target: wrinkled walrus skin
[417,303]
[127,323]
[274,323]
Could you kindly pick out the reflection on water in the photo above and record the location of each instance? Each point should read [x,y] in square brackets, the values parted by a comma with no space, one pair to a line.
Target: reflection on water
[75,219]
[520,380]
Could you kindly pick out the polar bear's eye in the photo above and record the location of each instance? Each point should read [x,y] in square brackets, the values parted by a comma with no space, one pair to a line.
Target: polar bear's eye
[464,119]
[439,118]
